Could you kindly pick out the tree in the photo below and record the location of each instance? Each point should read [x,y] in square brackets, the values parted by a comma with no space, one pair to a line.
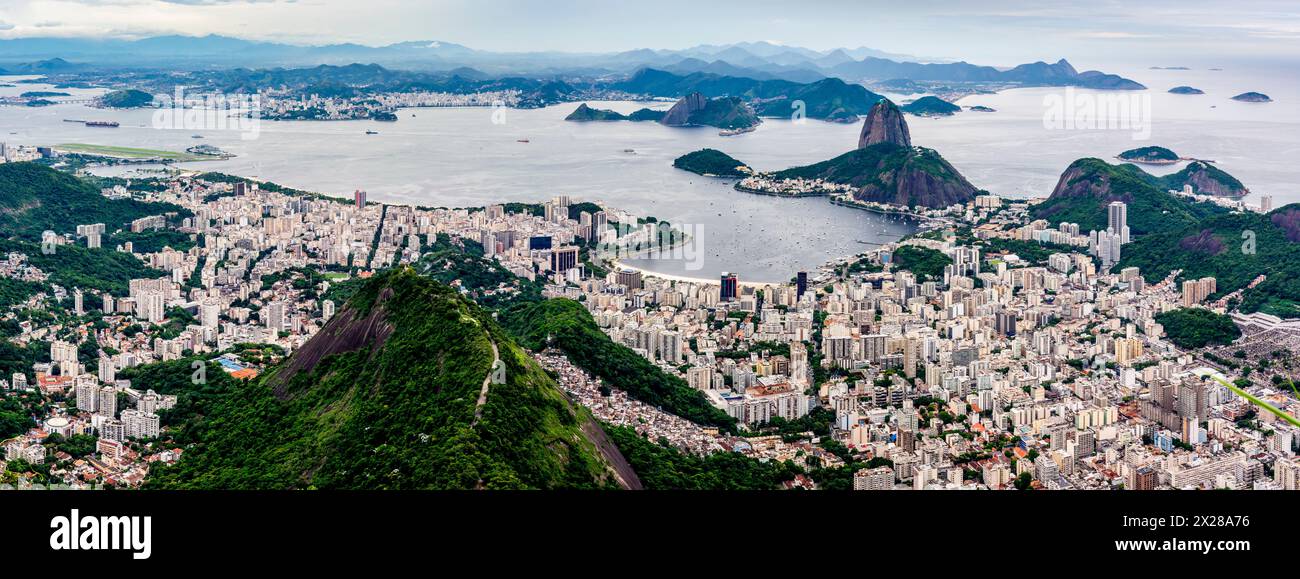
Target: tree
[1024,481]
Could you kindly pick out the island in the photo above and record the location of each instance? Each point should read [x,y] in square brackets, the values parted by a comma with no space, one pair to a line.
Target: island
[35,94]
[1252,97]
[930,106]
[884,171]
[584,114]
[712,163]
[125,99]
[40,103]
[1152,155]
[981,109]
[1186,90]
[695,109]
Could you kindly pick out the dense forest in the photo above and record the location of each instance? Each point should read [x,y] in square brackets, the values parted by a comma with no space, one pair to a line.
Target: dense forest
[1198,327]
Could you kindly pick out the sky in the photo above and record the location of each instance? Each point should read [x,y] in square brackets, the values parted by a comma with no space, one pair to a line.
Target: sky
[994,32]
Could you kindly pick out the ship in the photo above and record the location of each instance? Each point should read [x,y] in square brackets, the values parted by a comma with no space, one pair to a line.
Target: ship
[372,132]
[734,132]
[522,141]
[109,124]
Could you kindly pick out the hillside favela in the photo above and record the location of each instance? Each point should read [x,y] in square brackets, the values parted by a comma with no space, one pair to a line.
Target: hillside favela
[442,246]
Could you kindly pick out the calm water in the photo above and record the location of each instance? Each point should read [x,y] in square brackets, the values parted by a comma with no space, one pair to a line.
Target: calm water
[460,157]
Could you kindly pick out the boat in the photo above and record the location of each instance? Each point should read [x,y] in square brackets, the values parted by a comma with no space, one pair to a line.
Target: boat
[108,124]
[734,132]
[196,136]
[522,141]
[372,132]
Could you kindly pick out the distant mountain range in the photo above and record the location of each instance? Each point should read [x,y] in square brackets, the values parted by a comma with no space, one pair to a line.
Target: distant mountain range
[755,60]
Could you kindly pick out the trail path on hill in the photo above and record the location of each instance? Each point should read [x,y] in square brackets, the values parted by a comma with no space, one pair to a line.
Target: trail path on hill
[487,383]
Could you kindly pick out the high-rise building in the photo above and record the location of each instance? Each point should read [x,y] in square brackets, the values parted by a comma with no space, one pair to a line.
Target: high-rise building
[1196,291]
[1117,220]
[801,284]
[106,403]
[107,369]
[87,395]
[275,315]
[730,287]
[1265,203]
[629,278]
[359,197]
[564,258]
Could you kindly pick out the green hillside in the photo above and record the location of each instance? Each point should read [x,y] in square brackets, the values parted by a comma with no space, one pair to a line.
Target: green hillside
[34,198]
[385,397]
[890,173]
[1089,185]
[710,162]
[1215,247]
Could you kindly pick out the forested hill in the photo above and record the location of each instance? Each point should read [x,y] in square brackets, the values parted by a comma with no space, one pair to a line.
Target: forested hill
[386,397]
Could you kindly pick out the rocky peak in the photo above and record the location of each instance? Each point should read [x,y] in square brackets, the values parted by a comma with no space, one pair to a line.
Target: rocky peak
[885,124]
[681,112]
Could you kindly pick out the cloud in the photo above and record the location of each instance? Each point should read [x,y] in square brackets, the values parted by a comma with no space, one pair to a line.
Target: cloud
[6,26]
[1112,34]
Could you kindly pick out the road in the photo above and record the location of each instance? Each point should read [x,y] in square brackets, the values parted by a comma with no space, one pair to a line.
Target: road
[487,383]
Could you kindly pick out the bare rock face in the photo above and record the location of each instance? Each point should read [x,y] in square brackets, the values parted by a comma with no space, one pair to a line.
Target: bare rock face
[885,124]
[680,114]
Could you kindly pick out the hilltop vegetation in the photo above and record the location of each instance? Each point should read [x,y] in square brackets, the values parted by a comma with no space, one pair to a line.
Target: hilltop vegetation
[890,173]
[585,113]
[1197,327]
[1089,185]
[384,397]
[1220,247]
[711,162]
[1152,154]
[926,263]
[930,106]
[126,99]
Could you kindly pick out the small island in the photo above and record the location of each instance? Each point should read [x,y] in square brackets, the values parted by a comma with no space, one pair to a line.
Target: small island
[712,163]
[40,103]
[1150,155]
[930,106]
[1185,90]
[36,94]
[586,114]
[125,99]
[981,109]
[1252,97]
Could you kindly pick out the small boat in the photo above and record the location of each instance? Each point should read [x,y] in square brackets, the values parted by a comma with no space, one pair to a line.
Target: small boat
[196,136]
[522,141]
[372,132]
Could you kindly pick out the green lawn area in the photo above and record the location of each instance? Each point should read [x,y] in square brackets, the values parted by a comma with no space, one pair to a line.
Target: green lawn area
[127,152]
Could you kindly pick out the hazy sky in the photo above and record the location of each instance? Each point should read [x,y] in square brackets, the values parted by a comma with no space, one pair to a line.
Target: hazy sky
[987,31]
